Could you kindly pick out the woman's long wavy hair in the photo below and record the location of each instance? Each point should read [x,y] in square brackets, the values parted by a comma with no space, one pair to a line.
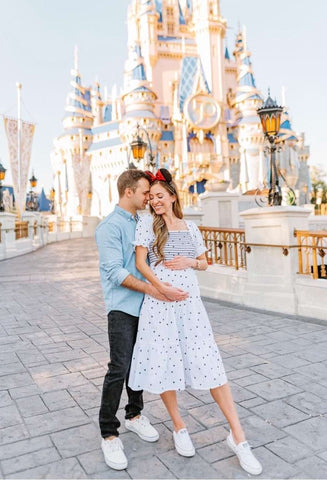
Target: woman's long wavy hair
[160,229]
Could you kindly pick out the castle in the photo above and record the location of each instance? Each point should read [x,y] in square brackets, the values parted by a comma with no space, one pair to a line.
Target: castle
[197,102]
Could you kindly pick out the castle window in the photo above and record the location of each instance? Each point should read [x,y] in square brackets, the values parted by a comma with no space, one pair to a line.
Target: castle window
[170,28]
[170,11]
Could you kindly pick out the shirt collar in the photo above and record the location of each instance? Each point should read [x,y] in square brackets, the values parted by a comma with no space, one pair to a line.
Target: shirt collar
[125,213]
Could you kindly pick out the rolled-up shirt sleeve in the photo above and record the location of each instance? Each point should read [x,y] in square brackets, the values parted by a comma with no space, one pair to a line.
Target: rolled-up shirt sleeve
[109,242]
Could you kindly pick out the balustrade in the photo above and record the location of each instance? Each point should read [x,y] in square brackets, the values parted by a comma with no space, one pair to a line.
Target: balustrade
[312,248]
[225,246]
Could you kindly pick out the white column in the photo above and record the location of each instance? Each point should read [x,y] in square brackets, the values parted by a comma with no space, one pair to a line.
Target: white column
[220,209]
[271,274]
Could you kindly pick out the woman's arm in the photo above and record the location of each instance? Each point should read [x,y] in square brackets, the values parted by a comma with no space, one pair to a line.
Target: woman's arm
[180,263]
[174,294]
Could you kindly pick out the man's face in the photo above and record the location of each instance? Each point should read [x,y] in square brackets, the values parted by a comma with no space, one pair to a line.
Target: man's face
[140,197]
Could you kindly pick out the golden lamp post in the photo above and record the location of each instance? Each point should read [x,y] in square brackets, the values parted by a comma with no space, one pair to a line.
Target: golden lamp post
[270,114]
[138,147]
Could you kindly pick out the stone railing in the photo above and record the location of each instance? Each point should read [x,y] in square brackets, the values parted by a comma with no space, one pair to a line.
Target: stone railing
[34,230]
[266,266]
[312,248]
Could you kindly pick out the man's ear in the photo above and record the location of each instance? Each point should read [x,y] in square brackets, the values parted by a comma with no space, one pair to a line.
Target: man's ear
[128,192]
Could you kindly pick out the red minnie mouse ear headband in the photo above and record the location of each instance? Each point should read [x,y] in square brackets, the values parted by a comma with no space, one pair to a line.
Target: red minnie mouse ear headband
[162,175]
[158,176]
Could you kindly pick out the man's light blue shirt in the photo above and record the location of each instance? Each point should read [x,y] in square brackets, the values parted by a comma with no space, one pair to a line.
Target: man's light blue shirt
[115,236]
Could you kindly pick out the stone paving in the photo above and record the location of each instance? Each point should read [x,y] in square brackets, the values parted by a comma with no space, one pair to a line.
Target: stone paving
[53,356]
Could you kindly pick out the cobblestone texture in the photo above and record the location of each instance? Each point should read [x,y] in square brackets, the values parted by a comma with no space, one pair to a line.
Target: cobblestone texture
[53,356]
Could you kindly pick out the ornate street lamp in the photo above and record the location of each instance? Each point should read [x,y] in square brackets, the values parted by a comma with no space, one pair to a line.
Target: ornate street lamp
[32,204]
[2,177]
[138,148]
[270,114]
[33,181]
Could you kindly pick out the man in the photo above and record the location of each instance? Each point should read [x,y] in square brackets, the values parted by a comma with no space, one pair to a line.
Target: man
[123,289]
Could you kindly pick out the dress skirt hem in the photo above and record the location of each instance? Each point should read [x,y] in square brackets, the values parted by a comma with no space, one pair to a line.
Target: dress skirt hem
[179,389]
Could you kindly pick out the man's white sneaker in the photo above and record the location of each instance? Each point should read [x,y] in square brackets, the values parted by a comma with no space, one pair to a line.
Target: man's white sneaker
[183,443]
[246,458]
[114,456]
[143,428]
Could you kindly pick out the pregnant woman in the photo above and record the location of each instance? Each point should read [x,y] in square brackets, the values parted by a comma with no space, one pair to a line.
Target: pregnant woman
[175,346]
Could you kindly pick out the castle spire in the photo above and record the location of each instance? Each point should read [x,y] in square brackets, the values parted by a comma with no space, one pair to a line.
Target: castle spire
[76,58]
[246,82]
[78,105]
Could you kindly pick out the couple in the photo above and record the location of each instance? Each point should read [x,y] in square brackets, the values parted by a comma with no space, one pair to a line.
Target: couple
[160,337]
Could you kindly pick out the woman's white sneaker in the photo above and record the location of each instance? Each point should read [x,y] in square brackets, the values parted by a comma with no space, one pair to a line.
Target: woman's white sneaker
[113,452]
[245,456]
[143,428]
[183,443]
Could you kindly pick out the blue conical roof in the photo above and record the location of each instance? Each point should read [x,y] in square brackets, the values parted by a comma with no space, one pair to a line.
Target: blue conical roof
[44,203]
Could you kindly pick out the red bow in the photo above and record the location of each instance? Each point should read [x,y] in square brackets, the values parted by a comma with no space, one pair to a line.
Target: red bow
[158,176]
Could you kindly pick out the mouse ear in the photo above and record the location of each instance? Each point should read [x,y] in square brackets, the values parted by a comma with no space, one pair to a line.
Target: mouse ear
[150,176]
[166,174]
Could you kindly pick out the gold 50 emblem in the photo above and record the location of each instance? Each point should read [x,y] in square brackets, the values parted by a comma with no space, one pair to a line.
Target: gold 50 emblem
[202,111]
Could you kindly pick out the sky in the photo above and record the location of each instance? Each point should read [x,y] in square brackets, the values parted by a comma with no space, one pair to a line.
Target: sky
[37,39]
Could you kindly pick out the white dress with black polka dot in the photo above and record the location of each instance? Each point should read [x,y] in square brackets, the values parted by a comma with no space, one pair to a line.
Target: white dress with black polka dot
[175,346]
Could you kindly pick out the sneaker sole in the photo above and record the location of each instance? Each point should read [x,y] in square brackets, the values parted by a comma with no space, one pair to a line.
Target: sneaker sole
[185,453]
[143,437]
[113,465]
[245,467]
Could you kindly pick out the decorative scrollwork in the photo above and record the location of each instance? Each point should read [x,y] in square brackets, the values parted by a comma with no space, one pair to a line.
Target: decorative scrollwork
[261,197]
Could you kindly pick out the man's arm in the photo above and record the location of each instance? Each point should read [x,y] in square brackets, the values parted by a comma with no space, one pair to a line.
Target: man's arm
[137,285]
[108,239]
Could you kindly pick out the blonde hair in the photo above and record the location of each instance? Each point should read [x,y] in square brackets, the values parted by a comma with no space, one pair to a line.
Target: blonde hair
[160,229]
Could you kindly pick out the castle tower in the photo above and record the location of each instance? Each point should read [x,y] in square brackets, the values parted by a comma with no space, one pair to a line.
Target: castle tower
[70,160]
[148,28]
[210,30]
[97,104]
[250,137]
[139,104]
[293,158]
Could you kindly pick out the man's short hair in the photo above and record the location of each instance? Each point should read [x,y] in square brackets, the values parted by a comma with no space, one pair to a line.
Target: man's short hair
[129,179]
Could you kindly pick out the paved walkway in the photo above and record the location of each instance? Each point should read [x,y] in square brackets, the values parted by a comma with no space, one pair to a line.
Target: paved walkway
[53,355]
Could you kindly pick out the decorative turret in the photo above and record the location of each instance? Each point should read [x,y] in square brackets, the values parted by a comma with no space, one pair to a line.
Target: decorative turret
[139,102]
[97,104]
[246,101]
[210,30]
[148,20]
[73,168]
[287,157]
[78,106]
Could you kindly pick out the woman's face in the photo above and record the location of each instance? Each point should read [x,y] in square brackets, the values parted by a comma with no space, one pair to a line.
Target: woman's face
[160,200]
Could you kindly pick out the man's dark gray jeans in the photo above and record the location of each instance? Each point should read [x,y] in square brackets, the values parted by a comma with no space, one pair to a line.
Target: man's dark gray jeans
[122,330]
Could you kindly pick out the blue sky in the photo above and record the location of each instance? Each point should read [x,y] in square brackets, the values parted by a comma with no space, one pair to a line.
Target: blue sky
[37,38]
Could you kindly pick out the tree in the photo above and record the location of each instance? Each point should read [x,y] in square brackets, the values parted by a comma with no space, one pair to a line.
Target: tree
[319,184]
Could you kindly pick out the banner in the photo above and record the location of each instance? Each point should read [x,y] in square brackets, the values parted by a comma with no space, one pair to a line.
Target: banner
[19,173]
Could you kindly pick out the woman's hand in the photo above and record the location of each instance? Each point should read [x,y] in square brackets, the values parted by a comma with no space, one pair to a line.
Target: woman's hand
[172,293]
[179,263]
